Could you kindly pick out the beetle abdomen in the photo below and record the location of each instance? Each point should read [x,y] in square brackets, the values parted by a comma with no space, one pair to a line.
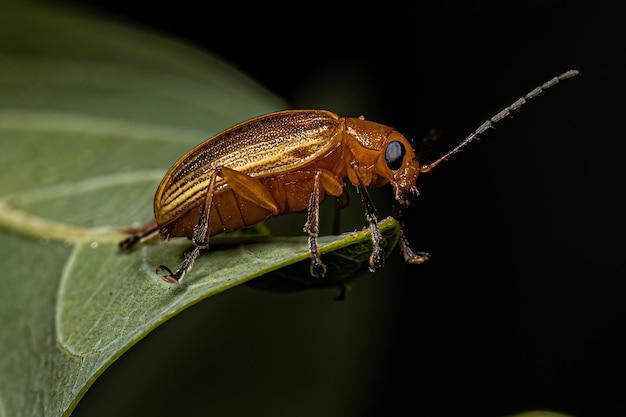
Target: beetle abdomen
[290,191]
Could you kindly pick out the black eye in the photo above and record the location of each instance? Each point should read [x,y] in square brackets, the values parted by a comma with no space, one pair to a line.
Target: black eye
[393,154]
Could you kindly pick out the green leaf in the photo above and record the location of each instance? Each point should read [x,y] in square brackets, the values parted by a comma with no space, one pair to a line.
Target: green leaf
[91,116]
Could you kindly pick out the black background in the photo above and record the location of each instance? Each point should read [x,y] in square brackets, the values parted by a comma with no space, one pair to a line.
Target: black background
[520,308]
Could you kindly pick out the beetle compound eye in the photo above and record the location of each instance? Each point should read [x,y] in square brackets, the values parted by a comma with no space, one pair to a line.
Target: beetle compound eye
[393,154]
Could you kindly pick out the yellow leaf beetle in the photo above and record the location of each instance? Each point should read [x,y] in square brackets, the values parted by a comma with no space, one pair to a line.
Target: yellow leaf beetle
[288,162]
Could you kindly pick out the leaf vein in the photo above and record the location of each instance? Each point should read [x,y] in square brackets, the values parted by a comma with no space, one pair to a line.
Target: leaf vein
[29,120]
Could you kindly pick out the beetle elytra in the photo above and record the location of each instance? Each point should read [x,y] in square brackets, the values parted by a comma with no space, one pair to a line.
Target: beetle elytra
[288,162]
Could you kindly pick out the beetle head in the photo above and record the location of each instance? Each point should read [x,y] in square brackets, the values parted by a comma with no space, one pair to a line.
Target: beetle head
[401,161]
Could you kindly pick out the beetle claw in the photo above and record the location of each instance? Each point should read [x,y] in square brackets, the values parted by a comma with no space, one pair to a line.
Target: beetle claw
[171,277]
[411,257]
[318,269]
[416,258]
[128,243]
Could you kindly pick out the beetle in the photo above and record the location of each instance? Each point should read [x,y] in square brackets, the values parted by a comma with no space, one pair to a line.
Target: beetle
[287,162]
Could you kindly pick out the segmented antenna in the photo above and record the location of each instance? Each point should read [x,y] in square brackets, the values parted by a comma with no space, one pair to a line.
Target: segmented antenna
[506,112]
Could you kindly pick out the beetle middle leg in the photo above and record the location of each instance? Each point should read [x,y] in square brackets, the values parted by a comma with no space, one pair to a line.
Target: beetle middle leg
[377,258]
[341,202]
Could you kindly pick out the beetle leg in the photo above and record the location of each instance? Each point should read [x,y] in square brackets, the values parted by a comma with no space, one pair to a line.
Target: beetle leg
[177,277]
[341,202]
[318,269]
[377,259]
[200,237]
[249,188]
[149,231]
[409,256]
[200,231]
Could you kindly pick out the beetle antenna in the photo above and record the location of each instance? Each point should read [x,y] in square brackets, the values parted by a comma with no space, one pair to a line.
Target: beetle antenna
[503,114]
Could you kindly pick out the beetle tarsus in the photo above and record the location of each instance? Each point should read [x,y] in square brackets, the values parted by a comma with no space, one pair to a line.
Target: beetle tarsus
[318,269]
[129,242]
[177,277]
[377,258]
[147,232]
[171,277]
[411,257]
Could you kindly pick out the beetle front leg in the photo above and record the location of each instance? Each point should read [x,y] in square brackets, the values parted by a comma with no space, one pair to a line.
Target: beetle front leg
[318,269]
[409,256]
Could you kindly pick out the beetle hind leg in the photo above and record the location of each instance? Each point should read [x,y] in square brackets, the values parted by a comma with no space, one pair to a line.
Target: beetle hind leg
[176,277]
[200,238]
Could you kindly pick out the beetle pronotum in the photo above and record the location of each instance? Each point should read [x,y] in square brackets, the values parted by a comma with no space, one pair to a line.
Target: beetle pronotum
[288,162]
